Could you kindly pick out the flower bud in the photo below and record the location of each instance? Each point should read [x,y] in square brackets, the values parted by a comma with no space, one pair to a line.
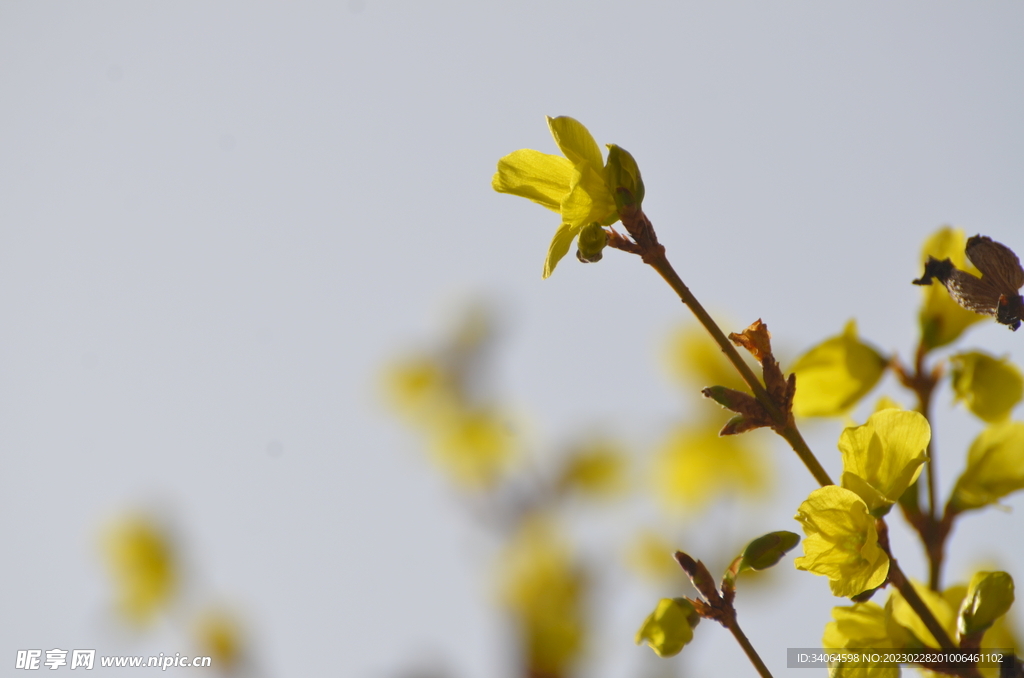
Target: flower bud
[591,241]
[988,597]
[623,177]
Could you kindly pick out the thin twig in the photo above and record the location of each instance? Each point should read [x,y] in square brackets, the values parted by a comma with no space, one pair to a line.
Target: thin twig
[645,243]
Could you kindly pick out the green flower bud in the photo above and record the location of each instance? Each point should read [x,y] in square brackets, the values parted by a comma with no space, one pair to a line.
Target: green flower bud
[591,241]
[767,550]
[989,596]
[623,177]
[670,627]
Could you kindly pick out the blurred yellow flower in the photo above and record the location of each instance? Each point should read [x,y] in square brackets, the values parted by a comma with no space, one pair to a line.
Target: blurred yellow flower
[866,626]
[694,359]
[596,469]
[470,440]
[942,319]
[418,388]
[887,403]
[834,375]
[651,556]
[141,560]
[220,637]
[882,458]
[475,447]
[991,387]
[574,186]
[544,592]
[995,467]
[841,541]
[670,627]
[695,465]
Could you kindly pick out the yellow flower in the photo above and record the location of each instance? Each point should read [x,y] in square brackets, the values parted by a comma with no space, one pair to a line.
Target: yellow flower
[835,374]
[544,592]
[670,627]
[476,447]
[597,470]
[866,626]
[418,387]
[882,458]
[942,319]
[841,541]
[943,607]
[220,637]
[650,555]
[574,186]
[991,387]
[694,359]
[695,465]
[995,467]
[141,560]
[468,438]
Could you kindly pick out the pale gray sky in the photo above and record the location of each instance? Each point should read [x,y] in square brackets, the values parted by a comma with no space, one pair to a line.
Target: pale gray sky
[217,220]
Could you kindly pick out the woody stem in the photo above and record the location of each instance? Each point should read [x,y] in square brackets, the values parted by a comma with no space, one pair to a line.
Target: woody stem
[785,425]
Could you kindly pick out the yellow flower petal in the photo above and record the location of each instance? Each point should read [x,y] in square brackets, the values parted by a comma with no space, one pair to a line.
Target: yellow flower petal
[670,627]
[835,374]
[995,467]
[943,606]
[575,141]
[536,176]
[884,456]
[942,320]
[559,246]
[864,626]
[991,387]
[577,204]
[841,541]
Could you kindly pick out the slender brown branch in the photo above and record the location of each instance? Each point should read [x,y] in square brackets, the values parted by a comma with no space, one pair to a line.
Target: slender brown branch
[645,243]
[932,529]
[906,589]
[925,388]
[719,607]
[741,638]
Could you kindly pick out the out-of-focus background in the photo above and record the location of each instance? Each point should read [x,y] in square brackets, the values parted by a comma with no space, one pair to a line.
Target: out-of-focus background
[220,222]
